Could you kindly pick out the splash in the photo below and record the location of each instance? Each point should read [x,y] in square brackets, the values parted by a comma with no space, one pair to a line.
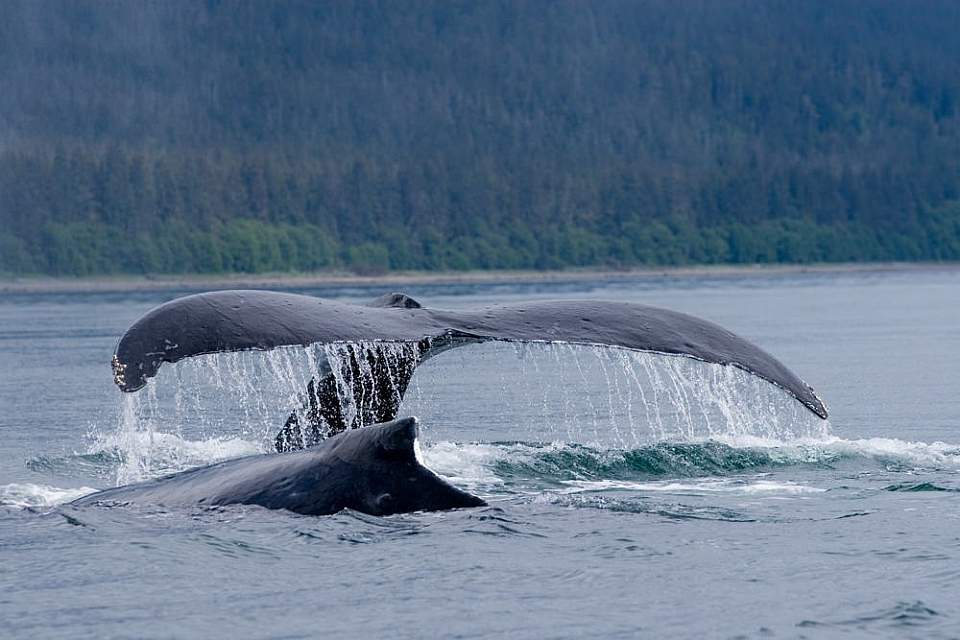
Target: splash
[362,371]
[143,454]
[230,404]
[38,495]
[222,405]
[601,396]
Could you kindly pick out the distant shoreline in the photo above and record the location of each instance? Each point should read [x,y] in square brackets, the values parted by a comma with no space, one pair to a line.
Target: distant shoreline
[119,284]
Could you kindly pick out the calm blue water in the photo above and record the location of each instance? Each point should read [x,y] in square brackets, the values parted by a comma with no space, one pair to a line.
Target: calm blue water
[685,511]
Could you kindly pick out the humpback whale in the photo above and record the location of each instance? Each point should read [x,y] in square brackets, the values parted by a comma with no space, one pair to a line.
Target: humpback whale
[373,470]
[240,320]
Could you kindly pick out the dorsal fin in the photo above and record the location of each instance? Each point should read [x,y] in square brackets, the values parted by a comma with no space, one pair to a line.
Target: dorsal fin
[394,441]
[399,434]
[396,300]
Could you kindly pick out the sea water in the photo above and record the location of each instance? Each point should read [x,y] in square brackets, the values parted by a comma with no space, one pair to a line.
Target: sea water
[631,494]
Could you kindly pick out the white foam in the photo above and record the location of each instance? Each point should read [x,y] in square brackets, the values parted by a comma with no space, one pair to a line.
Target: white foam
[936,454]
[919,454]
[38,495]
[710,485]
[464,464]
[474,465]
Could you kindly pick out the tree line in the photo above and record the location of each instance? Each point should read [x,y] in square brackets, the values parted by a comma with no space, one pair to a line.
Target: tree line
[181,137]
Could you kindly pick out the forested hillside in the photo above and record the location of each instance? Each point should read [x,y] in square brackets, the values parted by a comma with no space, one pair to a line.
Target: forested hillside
[182,136]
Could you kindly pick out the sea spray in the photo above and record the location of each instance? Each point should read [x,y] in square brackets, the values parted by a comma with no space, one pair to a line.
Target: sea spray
[24,495]
[235,402]
[598,395]
[606,397]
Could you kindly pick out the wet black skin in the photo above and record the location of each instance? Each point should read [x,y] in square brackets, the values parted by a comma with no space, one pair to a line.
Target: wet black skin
[373,470]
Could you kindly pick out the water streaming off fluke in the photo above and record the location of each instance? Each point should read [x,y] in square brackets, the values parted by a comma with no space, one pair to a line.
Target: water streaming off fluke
[554,392]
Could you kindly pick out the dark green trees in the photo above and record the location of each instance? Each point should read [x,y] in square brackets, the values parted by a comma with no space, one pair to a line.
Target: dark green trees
[251,136]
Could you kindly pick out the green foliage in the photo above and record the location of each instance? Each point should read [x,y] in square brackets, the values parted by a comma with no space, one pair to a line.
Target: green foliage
[252,246]
[368,258]
[176,137]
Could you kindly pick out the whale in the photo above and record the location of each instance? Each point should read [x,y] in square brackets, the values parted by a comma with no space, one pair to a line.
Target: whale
[374,470]
[240,320]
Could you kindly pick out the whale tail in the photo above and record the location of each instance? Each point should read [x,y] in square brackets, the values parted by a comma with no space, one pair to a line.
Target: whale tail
[375,378]
[375,382]
[378,381]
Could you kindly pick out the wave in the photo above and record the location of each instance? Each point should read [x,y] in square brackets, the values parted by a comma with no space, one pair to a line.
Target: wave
[892,453]
[902,616]
[918,487]
[740,464]
[516,465]
[499,463]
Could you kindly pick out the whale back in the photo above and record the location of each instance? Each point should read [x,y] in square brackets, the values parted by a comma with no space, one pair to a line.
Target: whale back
[373,470]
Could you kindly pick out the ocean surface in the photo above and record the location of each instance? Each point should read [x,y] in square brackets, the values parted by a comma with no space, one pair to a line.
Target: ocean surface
[631,495]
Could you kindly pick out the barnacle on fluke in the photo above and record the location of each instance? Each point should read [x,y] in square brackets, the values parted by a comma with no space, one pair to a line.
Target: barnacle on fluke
[119,370]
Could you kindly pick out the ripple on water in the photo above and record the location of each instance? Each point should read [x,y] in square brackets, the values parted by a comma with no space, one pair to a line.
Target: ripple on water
[919,487]
[903,615]
[644,505]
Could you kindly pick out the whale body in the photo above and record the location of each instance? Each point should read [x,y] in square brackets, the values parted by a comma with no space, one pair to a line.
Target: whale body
[372,470]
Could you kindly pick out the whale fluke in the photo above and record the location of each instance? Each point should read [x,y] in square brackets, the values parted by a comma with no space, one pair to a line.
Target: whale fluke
[241,320]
